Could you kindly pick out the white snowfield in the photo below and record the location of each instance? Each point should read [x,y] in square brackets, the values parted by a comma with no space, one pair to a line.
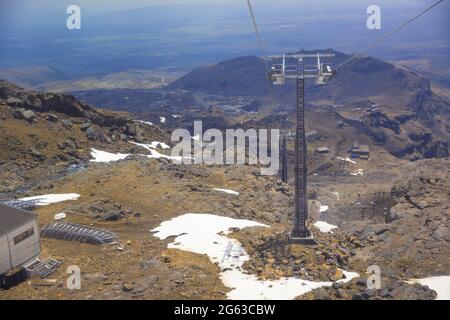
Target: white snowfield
[323,209]
[162,119]
[324,227]
[199,233]
[106,157]
[227,191]
[439,284]
[47,199]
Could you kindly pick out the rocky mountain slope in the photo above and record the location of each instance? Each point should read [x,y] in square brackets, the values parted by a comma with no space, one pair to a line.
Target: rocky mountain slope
[45,133]
[395,108]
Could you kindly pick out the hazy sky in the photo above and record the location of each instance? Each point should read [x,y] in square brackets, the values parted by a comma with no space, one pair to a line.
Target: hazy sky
[103,6]
[34,32]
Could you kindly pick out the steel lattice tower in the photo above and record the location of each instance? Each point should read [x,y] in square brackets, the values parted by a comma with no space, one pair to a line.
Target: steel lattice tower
[284,162]
[301,171]
[299,72]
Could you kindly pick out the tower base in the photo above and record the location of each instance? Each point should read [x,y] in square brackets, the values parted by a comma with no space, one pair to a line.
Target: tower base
[306,241]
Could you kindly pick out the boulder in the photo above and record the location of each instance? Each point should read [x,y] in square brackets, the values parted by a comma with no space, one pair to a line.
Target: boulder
[15,102]
[127,286]
[441,233]
[112,216]
[25,115]
[131,129]
[37,155]
[70,144]
[91,134]
[66,104]
[85,126]
[53,118]
[337,275]
[62,145]
[32,101]
[139,137]
[340,293]
[67,123]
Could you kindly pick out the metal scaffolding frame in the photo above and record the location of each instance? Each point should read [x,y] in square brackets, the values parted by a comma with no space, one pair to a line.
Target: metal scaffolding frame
[80,233]
[42,268]
[22,204]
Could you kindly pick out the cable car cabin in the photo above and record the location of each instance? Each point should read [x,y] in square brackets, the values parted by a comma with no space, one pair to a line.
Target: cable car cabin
[325,73]
[276,79]
[276,74]
[19,238]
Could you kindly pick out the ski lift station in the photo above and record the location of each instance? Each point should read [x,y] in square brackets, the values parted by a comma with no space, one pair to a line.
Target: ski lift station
[19,238]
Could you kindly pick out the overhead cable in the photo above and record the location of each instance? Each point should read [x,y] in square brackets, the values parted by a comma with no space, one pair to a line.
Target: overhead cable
[375,43]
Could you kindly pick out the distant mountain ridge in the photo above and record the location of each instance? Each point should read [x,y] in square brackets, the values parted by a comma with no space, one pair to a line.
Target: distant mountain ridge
[247,76]
[30,77]
[238,76]
[409,120]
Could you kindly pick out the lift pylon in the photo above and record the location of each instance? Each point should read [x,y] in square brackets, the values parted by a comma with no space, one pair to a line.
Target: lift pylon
[292,67]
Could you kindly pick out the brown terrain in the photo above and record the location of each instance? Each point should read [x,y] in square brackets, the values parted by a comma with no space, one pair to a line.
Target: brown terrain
[43,135]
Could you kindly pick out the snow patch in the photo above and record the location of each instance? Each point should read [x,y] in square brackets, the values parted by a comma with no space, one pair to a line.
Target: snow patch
[324,226]
[47,199]
[59,216]
[358,172]
[347,159]
[155,145]
[439,284]
[106,157]
[206,234]
[155,154]
[227,191]
[145,122]
[323,209]
[162,119]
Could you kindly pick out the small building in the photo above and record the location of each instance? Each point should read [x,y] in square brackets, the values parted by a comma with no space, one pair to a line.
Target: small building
[19,238]
[361,151]
[323,150]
